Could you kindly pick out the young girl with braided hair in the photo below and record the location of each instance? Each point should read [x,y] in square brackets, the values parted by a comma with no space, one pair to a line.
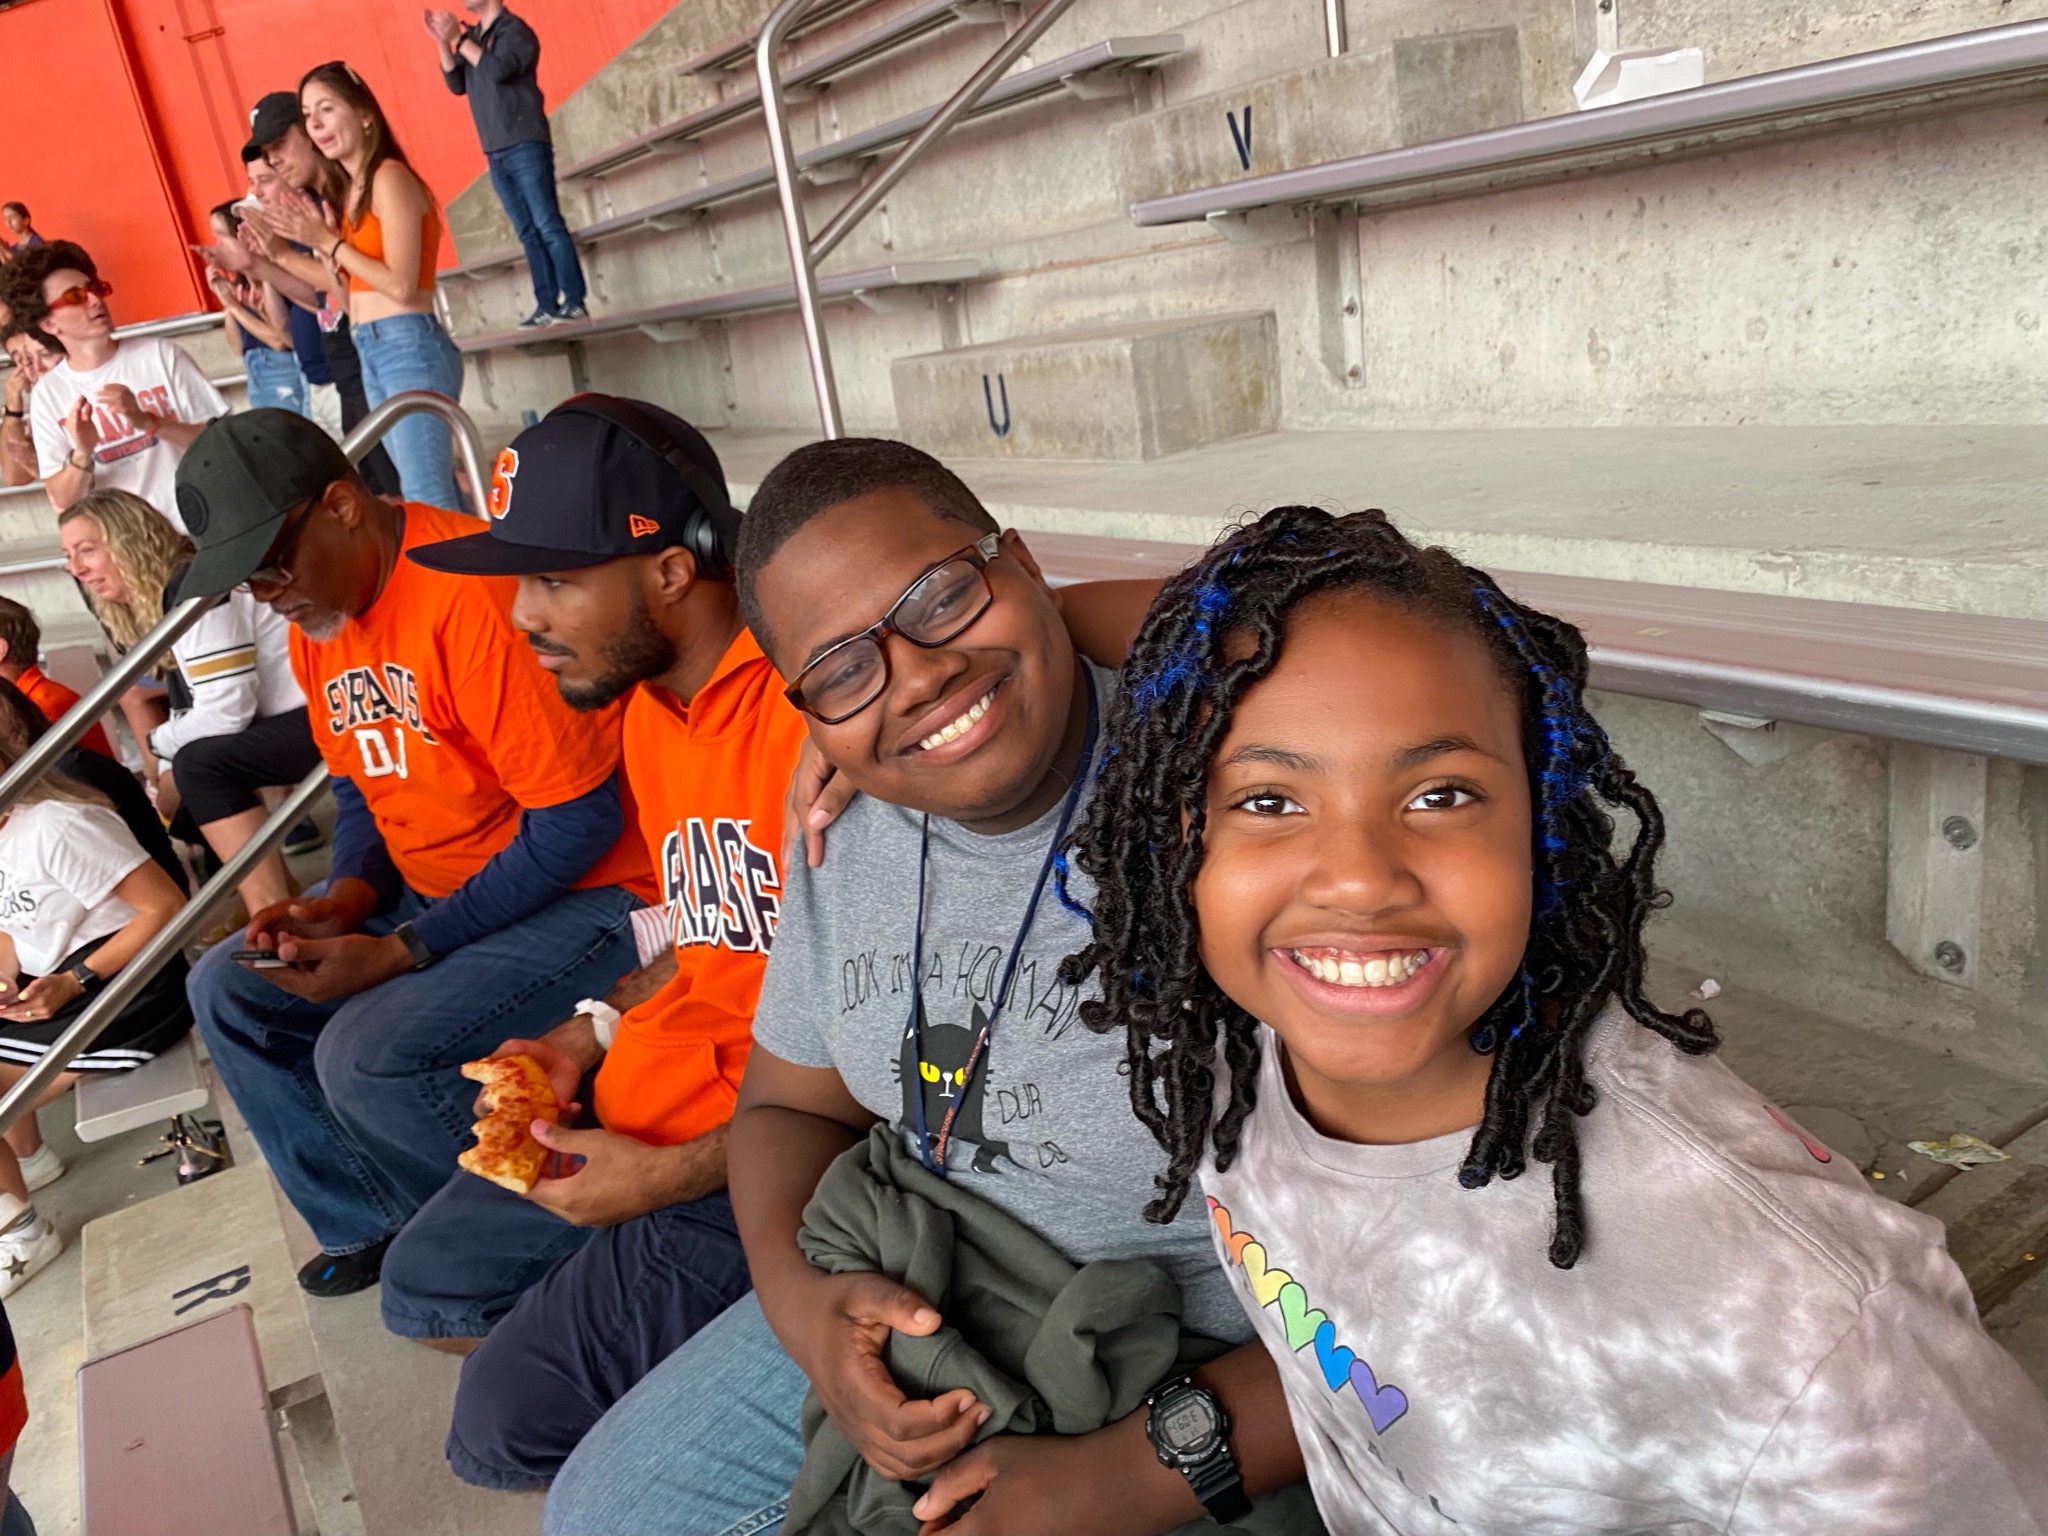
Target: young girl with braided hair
[1361,905]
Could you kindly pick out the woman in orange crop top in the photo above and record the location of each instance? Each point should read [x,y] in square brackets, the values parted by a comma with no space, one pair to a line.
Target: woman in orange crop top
[385,252]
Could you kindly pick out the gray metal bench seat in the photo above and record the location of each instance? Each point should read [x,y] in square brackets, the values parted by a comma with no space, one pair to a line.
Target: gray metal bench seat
[673,322]
[1966,682]
[843,158]
[1967,69]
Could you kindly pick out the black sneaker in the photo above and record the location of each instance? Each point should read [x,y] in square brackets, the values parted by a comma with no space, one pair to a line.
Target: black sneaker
[540,319]
[343,1274]
[305,837]
[573,312]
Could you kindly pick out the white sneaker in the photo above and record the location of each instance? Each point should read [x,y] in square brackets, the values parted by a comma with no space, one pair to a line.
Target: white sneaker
[42,1167]
[25,1251]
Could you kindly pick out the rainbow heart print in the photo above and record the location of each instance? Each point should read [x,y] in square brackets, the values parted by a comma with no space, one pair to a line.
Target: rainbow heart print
[1306,1325]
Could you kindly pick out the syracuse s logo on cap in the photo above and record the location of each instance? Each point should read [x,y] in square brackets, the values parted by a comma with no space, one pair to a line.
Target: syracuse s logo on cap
[503,473]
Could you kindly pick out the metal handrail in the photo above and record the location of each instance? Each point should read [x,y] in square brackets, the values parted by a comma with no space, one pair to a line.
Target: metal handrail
[408,402]
[804,252]
[168,940]
[64,733]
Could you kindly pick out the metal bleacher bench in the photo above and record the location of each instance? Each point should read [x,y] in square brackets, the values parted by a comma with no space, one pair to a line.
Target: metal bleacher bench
[1966,682]
[168,1085]
[1080,72]
[1945,73]
[900,31]
[175,1435]
[879,287]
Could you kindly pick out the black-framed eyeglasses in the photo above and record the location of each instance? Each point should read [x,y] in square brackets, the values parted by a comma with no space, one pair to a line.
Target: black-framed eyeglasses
[276,573]
[840,682]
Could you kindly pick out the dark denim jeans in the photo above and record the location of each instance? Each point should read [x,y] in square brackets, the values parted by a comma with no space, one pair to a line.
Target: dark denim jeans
[360,1106]
[574,1317]
[524,176]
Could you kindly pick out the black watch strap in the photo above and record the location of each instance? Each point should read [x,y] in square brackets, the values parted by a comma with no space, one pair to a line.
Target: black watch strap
[87,977]
[1220,1489]
[422,957]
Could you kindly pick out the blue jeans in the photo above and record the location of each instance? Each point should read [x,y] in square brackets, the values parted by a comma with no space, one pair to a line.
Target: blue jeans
[706,1445]
[403,352]
[600,1309]
[524,176]
[360,1106]
[275,380]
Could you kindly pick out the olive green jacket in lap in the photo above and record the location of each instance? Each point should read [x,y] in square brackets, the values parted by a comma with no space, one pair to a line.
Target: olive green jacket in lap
[1050,1347]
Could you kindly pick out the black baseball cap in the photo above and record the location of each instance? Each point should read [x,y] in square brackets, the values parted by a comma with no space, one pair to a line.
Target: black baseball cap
[582,487]
[270,120]
[237,483]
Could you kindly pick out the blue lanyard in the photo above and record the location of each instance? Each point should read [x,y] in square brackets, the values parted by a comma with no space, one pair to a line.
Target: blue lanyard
[932,1157]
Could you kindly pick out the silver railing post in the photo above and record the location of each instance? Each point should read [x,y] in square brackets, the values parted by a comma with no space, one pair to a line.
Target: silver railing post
[775,116]
[804,252]
[368,432]
[168,941]
[1335,31]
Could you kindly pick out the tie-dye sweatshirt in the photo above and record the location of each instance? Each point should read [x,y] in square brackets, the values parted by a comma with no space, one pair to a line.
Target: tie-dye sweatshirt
[1754,1342]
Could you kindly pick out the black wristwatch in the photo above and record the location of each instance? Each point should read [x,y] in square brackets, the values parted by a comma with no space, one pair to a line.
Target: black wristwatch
[422,957]
[87,978]
[1190,1433]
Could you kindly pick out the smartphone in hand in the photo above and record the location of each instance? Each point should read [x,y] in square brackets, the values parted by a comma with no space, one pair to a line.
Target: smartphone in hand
[262,960]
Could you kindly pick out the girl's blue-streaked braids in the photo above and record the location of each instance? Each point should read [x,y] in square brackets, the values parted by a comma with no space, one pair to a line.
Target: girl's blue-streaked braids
[1215,631]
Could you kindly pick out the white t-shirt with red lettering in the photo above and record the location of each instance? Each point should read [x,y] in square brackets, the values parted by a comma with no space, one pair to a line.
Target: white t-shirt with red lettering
[164,380]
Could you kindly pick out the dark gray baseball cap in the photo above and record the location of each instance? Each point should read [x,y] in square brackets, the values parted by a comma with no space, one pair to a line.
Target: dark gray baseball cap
[238,482]
[270,120]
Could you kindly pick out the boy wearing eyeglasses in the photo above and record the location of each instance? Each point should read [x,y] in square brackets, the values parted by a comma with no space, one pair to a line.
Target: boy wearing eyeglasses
[114,414]
[914,985]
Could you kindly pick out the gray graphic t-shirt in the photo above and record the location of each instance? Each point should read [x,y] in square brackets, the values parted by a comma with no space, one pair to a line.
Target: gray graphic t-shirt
[1754,1342]
[1043,1127]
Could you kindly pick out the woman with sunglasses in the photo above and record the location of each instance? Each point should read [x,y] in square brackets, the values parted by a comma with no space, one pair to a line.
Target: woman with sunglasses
[384,255]
[236,722]
[114,413]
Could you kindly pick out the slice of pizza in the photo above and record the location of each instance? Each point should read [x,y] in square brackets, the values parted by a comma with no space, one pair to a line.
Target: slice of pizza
[516,1093]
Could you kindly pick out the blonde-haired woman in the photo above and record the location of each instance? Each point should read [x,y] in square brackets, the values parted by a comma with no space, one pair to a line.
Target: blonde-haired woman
[236,721]
[79,898]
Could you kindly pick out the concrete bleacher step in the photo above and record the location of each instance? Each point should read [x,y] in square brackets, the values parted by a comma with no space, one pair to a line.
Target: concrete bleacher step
[1133,392]
[201,1249]
[1410,91]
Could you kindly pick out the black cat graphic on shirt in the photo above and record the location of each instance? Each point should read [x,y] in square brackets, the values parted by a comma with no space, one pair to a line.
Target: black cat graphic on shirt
[940,1074]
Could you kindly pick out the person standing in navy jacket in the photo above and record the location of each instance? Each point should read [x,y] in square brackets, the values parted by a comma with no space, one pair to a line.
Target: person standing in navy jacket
[493,63]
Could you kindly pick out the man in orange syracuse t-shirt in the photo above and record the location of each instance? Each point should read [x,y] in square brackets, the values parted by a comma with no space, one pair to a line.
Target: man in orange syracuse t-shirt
[482,855]
[613,516]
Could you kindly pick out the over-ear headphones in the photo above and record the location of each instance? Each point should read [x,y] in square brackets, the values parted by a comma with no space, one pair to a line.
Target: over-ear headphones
[712,530]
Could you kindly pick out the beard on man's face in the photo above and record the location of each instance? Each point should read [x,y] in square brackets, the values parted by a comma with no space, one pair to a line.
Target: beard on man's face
[632,655]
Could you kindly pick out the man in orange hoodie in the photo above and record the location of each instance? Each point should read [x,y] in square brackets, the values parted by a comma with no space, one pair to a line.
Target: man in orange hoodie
[614,517]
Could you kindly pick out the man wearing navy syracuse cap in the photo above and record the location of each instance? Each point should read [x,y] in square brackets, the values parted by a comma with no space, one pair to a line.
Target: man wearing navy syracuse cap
[613,516]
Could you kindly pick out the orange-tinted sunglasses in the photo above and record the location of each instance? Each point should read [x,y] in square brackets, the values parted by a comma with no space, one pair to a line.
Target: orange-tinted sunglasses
[98,288]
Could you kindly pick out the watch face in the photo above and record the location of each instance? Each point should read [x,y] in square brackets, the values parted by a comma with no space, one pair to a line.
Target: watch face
[1189,1426]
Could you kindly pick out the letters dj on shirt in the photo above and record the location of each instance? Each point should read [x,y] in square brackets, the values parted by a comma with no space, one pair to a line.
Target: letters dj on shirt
[363,699]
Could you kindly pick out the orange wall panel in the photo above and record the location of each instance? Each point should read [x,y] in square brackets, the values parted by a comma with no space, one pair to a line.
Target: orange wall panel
[198,67]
